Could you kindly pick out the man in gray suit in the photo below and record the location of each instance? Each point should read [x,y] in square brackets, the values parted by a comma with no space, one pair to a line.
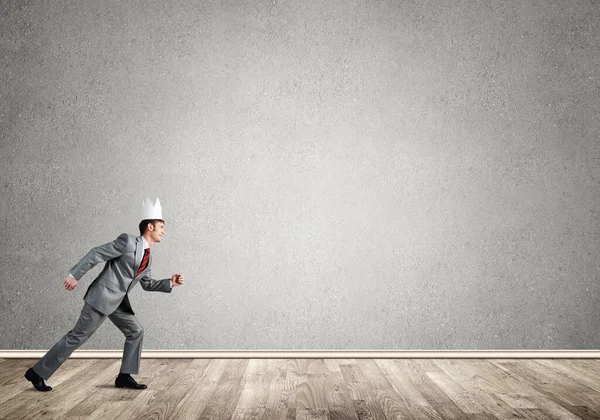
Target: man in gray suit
[128,261]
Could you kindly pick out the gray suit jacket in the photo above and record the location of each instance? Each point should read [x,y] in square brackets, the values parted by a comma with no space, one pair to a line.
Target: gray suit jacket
[110,288]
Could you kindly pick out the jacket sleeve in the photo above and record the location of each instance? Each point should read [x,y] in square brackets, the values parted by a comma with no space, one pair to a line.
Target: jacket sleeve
[104,252]
[151,285]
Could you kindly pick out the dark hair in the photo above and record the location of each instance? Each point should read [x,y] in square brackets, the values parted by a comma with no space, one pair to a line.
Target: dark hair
[144,224]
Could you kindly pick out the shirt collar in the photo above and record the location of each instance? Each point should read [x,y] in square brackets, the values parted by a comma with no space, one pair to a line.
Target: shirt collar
[145,243]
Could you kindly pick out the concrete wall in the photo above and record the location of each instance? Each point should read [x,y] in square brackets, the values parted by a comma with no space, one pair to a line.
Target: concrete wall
[334,174]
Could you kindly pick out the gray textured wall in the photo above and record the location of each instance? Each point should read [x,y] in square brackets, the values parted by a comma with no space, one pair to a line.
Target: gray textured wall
[334,175]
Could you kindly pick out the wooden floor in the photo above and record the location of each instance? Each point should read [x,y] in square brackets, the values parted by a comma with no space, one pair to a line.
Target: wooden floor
[310,389]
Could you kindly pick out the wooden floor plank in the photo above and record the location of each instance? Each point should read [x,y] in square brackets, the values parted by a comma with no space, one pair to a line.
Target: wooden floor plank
[557,387]
[338,399]
[436,397]
[410,397]
[76,379]
[290,389]
[166,382]
[227,394]
[459,387]
[256,382]
[574,372]
[193,403]
[543,398]
[390,401]
[106,392]
[366,402]
[7,367]
[281,400]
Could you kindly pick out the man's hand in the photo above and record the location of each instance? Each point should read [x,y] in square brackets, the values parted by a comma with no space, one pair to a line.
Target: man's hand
[70,283]
[177,279]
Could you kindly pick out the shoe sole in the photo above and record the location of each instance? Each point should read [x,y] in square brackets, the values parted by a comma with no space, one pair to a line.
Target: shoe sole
[123,386]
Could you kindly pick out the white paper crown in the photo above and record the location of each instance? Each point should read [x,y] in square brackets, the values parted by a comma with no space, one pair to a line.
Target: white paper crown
[151,211]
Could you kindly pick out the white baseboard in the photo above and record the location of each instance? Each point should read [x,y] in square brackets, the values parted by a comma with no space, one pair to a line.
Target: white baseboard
[318,354]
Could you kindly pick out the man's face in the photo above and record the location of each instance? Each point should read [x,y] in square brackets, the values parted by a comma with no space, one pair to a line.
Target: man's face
[156,231]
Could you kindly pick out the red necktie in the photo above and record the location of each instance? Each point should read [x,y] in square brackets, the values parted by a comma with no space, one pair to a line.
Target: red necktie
[144,263]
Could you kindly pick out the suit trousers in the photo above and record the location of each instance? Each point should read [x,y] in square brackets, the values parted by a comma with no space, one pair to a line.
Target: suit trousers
[89,321]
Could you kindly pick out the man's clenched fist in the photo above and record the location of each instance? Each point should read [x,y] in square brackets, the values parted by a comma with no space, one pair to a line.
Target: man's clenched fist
[177,279]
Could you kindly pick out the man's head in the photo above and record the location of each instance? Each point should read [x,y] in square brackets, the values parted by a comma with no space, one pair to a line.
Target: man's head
[153,229]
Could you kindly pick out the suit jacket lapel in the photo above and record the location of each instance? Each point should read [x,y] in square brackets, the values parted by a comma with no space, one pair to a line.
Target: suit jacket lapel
[139,250]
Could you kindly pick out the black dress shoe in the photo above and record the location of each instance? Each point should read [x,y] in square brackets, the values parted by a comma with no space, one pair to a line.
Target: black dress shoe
[124,380]
[37,381]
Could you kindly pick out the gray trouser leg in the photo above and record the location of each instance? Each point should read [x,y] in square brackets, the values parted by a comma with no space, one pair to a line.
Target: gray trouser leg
[134,337]
[88,322]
